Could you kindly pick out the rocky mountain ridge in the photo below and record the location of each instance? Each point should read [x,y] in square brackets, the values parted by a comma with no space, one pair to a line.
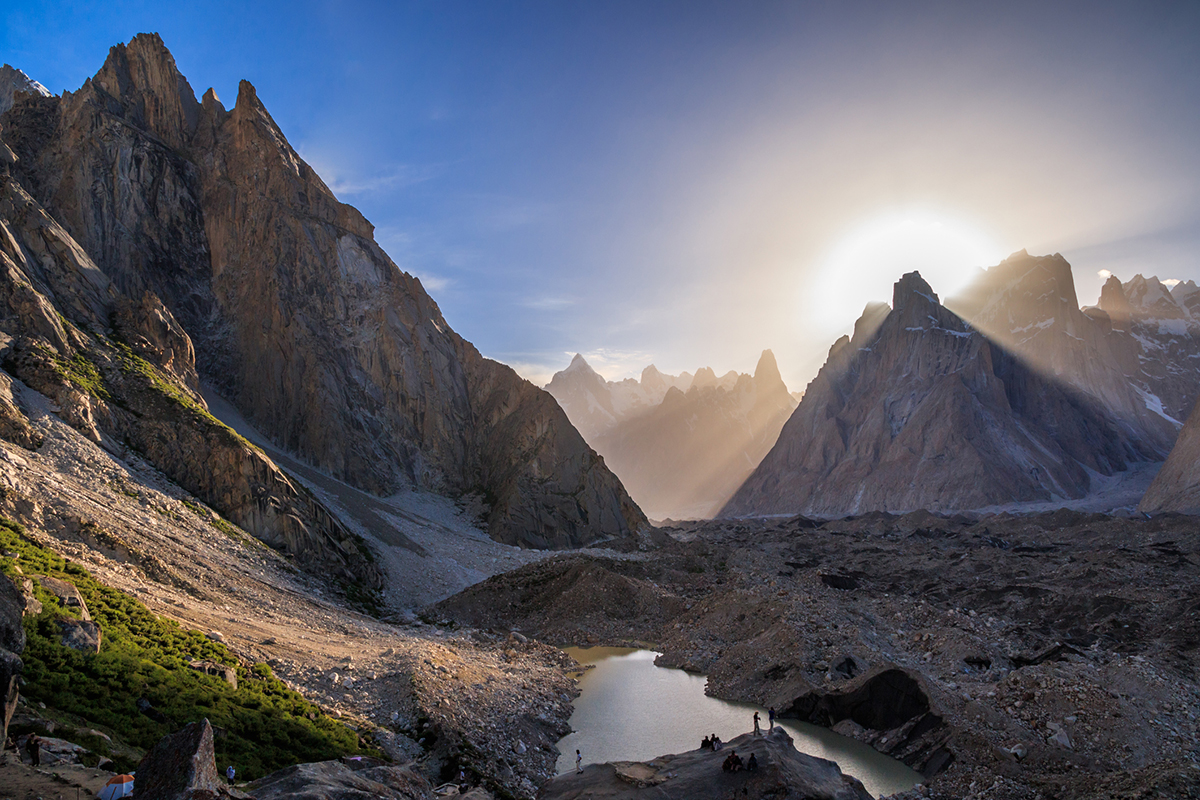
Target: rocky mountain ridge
[920,410]
[595,405]
[686,456]
[291,309]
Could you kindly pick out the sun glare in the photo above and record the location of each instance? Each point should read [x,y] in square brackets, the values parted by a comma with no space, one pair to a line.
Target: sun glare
[864,263]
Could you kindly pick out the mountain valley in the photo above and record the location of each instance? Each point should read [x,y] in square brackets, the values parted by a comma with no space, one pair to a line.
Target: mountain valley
[971,542]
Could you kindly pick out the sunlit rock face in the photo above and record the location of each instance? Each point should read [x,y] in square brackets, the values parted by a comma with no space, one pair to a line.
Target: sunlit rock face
[920,410]
[1028,305]
[685,457]
[297,315]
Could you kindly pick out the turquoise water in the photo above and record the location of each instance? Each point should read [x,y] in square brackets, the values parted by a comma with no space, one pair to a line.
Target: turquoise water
[631,710]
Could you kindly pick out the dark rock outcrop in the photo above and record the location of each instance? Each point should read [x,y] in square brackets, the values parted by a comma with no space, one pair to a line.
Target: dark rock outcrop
[920,410]
[888,708]
[296,313]
[347,779]
[182,766]
[12,644]
[697,775]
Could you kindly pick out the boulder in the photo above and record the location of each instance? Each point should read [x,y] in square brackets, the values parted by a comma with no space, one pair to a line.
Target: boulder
[347,779]
[782,771]
[67,594]
[222,671]
[82,635]
[182,766]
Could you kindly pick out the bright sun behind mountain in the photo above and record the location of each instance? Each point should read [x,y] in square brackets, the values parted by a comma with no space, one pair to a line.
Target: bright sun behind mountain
[865,261]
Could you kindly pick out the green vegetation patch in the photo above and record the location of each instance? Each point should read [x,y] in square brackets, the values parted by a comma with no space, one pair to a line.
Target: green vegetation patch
[80,371]
[261,726]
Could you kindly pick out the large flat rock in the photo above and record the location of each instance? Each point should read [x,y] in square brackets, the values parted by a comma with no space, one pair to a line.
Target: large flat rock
[783,771]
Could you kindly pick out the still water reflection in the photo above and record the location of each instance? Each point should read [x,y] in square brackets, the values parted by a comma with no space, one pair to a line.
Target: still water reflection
[631,710]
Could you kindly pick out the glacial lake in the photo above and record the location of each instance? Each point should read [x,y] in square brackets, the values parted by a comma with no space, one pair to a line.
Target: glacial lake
[631,710]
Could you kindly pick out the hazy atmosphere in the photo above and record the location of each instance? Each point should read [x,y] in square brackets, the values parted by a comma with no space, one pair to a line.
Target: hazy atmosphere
[690,183]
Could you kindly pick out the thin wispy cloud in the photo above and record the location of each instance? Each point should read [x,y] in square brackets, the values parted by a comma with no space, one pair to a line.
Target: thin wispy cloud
[548,303]
[398,177]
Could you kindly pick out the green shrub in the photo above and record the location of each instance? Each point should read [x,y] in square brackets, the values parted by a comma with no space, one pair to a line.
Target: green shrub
[261,726]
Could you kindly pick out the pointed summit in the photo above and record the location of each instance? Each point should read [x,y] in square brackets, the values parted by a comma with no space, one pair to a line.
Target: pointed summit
[766,374]
[912,287]
[14,81]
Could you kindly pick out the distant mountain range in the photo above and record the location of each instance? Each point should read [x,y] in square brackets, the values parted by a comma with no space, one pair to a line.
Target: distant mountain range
[681,444]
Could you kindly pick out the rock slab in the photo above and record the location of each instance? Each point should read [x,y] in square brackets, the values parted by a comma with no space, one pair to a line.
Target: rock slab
[782,771]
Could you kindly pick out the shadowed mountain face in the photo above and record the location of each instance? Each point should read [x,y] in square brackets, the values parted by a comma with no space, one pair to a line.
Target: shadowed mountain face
[295,312]
[1027,305]
[920,410]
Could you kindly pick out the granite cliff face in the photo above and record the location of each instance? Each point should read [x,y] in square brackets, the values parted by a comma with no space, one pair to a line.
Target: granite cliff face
[120,370]
[1027,304]
[295,313]
[685,457]
[920,410]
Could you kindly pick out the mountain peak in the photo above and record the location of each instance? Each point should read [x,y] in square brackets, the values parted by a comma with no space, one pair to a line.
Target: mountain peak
[912,287]
[12,81]
[767,372]
[144,77]
[579,364]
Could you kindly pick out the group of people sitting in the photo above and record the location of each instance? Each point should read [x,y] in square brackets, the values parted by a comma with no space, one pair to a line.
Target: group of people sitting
[733,763]
[711,743]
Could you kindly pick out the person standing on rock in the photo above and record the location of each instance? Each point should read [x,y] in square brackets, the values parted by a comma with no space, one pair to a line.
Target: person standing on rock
[757,729]
[578,761]
[33,746]
[771,718]
[229,773]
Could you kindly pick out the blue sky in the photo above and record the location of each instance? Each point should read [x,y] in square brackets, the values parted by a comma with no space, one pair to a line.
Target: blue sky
[689,183]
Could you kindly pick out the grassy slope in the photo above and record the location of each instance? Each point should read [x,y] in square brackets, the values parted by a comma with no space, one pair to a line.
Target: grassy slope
[262,725]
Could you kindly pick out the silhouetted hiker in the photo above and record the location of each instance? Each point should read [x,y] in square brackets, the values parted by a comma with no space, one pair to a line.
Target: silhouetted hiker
[727,764]
[716,742]
[771,717]
[578,761]
[706,743]
[752,764]
[757,730]
[229,773]
[462,780]
[737,761]
[33,745]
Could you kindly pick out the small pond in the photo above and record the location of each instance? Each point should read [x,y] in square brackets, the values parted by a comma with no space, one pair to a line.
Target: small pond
[631,710]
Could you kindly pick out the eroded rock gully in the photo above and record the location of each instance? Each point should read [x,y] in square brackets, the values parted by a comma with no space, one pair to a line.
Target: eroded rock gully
[1006,657]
